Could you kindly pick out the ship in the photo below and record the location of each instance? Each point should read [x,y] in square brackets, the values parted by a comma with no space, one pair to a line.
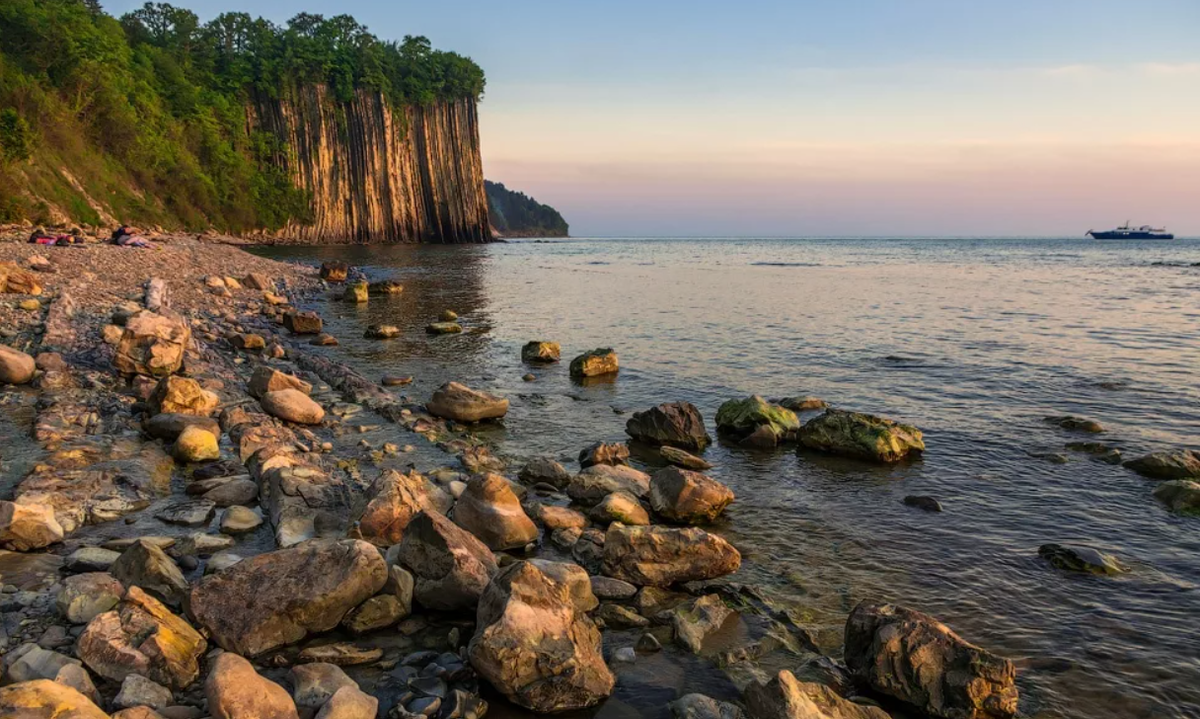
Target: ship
[1126,232]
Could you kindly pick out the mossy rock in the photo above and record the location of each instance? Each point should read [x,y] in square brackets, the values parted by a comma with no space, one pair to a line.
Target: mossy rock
[595,363]
[743,417]
[1181,495]
[861,436]
[1085,560]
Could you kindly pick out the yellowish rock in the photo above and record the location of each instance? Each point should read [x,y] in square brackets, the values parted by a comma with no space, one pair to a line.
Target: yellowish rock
[45,698]
[196,444]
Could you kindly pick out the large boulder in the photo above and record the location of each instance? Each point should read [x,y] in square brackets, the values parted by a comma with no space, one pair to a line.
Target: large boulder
[540,352]
[1181,495]
[292,405]
[16,367]
[620,506]
[917,660]
[302,323]
[267,379]
[147,566]
[489,509]
[614,453]
[46,699]
[784,697]
[235,691]
[462,404]
[534,645]
[544,469]
[181,395]
[1170,464]
[25,527]
[142,637]
[392,501]
[661,556]
[677,424]
[595,363]
[152,345]
[450,565]
[756,422]
[280,597]
[861,436]
[196,444]
[688,497]
[600,480]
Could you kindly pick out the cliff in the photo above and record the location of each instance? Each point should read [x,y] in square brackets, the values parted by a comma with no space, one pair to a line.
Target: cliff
[379,174]
[515,214]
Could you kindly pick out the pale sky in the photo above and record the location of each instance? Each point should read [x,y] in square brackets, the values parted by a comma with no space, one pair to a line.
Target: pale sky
[874,117]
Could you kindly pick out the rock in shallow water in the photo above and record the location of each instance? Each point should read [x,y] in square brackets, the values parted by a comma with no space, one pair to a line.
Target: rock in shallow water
[540,352]
[756,422]
[544,469]
[677,424]
[680,458]
[694,622]
[610,453]
[598,481]
[1075,558]
[1170,464]
[462,404]
[688,497]
[1181,495]
[595,363]
[661,556]
[783,697]
[861,436]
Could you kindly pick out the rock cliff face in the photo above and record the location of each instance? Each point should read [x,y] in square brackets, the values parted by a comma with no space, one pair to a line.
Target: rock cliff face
[379,174]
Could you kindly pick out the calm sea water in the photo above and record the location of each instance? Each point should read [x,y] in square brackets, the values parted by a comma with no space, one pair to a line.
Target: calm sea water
[974,341]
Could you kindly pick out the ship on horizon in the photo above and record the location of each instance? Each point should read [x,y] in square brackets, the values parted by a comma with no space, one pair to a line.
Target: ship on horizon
[1125,232]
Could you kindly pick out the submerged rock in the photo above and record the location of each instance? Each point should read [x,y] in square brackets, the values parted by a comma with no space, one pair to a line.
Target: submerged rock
[381,332]
[802,404]
[534,645]
[861,436]
[1181,495]
[540,352]
[356,292]
[443,328]
[490,510]
[1075,558]
[917,660]
[699,706]
[1076,423]
[450,565]
[595,363]
[682,459]
[756,422]
[688,497]
[696,621]
[676,424]
[385,287]
[784,697]
[1170,464]
[462,404]
[661,556]
[929,504]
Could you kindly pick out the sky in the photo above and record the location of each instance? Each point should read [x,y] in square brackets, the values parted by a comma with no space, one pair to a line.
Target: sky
[821,118]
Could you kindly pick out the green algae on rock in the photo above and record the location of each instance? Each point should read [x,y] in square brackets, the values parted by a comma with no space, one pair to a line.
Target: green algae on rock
[861,436]
[754,420]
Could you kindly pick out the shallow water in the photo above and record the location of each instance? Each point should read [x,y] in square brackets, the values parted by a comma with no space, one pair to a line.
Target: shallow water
[974,341]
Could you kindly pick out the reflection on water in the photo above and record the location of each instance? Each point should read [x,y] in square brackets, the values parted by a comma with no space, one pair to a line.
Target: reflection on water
[974,341]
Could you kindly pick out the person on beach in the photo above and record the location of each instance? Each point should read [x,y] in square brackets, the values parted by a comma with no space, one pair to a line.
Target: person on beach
[126,236]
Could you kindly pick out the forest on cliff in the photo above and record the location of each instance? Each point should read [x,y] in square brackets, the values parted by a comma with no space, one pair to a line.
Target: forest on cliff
[515,214]
[145,115]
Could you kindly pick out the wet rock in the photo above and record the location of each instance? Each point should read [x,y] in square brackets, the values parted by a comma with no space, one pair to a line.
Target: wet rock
[620,507]
[757,420]
[137,690]
[688,497]
[356,292]
[280,597]
[615,616]
[588,550]
[610,453]
[45,698]
[929,504]
[201,545]
[392,502]
[239,491]
[239,520]
[560,517]
[680,458]
[221,561]
[783,697]
[292,405]
[535,647]
[598,481]
[342,654]
[195,444]
[609,588]
[648,644]
[302,323]
[595,363]
[826,671]
[315,684]
[695,621]
[544,469]
[167,426]
[385,287]
[334,271]
[1076,423]
[90,559]
[661,556]
[152,345]
[378,612]
[235,691]
[698,706]
[462,404]
[676,424]
[16,367]
[917,660]
[324,339]
[145,565]
[444,328]
[190,513]
[448,316]
[381,332]
[142,637]
[861,436]
[265,379]
[450,565]
[801,404]
[26,527]
[490,510]
[1180,495]
[540,352]
[1075,558]
[349,703]
[1170,464]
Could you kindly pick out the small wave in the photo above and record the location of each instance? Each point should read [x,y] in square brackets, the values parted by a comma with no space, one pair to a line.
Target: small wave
[785,264]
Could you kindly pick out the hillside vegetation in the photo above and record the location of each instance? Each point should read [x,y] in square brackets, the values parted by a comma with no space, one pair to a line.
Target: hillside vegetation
[145,115]
[515,214]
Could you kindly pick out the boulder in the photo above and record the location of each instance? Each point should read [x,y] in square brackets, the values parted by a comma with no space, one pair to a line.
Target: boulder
[609,588]
[381,332]
[152,345]
[595,363]
[462,404]
[25,527]
[249,342]
[676,424]
[334,271]
[784,697]
[356,292]
[350,703]
[540,352]
[292,405]
[189,513]
[1181,495]
[239,520]
[392,502]
[560,517]
[490,510]
[29,662]
[756,422]
[239,491]
[1076,558]
[84,596]
[145,565]
[16,367]
[142,637]
[265,379]
[661,556]
[302,323]
[235,691]
[315,684]
[620,506]
[137,690]
[444,328]
[544,469]
[612,453]
[378,612]
[861,436]
[575,577]
[680,458]
[45,698]
[167,426]
[1170,464]
[450,565]
[598,481]
[90,559]
[915,659]
[278,598]
[801,404]
[259,281]
[181,395]
[17,281]
[535,647]
[688,497]
[693,622]
[196,444]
